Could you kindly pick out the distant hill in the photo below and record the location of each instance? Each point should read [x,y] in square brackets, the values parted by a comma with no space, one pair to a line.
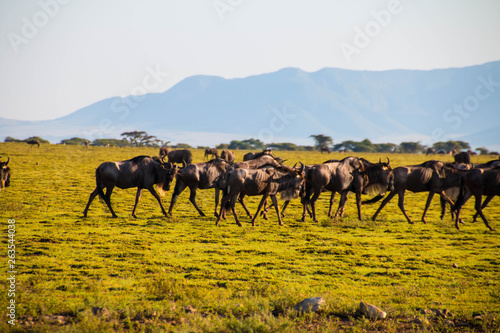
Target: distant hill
[290,104]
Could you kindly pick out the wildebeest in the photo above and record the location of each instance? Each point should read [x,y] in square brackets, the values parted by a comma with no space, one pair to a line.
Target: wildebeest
[227,155]
[325,149]
[201,176]
[87,143]
[333,176]
[142,172]
[4,174]
[431,176]
[163,152]
[430,151]
[462,157]
[478,182]
[211,151]
[182,156]
[252,156]
[33,142]
[257,163]
[266,182]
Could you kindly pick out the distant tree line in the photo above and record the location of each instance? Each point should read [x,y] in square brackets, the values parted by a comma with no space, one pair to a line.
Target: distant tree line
[143,139]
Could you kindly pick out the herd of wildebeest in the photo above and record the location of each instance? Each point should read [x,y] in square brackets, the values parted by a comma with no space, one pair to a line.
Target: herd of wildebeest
[266,175]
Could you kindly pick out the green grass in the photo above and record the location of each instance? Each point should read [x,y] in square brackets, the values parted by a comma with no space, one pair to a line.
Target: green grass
[101,274]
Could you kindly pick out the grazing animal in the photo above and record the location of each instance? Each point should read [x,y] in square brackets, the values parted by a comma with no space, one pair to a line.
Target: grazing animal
[253,156]
[478,182]
[33,142]
[163,152]
[180,156]
[142,172]
[430,151]
[431,176]
[462,157]
[87,143]
[201,176]
[4,174]
[333,176]
[227,155]
[266,182]
[257,163]
[211,151]
[325,149]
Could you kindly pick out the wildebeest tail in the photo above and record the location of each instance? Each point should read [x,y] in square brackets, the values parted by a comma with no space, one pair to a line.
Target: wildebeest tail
[372,200]
[461,196]
[99,184]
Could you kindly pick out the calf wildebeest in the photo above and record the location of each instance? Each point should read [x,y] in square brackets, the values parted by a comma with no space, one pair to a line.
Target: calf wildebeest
[266,182]
[479,182]
[4,174]
[211,151]
[333,176]
[180,156]
[142,172]
[227,155]
[163,152]
[462,157]
[431,176]
[201,176]
[33,142]
[252,156]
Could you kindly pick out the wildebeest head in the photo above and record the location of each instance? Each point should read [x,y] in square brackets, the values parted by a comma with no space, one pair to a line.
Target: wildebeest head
[293,184]
[378,177]
[166,176]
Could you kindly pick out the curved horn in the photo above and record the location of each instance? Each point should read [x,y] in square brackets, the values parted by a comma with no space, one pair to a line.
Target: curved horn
[302,167]
[380,160]
[8,159]
[163,159]
[184,164]
[388,161]
[294,165]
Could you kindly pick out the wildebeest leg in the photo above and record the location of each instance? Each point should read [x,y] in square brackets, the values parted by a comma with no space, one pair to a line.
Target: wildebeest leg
[137,198]
[179,187]
[443,208]
[233,205]
[241,199]
[153,192]
[330,214]
[384,202]
[401,204]
[480,211]
[343,197]
[427,204]
[192,198]
[222,212]
[285,205]
[217,192]
[313,204]
[275,203]
[107,200]
[92,197]
[261,203]
[358,203]
[485,203]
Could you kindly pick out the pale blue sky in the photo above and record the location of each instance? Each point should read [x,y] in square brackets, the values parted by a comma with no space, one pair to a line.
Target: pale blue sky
[80,52]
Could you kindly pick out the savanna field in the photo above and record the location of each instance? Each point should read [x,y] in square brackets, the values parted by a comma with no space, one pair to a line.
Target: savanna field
[184,274]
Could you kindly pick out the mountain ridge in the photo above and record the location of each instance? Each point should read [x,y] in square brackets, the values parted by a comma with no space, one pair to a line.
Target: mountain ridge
[292,103]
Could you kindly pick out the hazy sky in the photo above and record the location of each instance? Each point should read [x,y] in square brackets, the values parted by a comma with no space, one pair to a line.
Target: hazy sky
[58,56]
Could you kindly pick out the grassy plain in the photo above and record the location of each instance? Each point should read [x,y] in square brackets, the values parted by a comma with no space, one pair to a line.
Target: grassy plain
[184,274]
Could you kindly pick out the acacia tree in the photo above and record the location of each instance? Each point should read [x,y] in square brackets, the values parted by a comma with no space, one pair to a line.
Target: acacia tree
[141,138]
[321,141]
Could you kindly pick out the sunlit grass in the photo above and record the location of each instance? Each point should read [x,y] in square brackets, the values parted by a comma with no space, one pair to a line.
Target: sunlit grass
[100,274]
